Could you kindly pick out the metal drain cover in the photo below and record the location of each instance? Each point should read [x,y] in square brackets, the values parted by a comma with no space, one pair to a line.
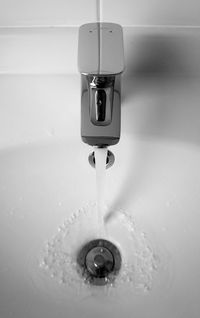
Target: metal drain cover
[99,261]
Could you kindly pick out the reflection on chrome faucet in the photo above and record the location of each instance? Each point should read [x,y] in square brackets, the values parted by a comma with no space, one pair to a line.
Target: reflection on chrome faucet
[101,99]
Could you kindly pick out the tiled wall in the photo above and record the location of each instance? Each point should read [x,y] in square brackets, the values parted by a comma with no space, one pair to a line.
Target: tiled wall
[76,12]
[38,55]
[46,12]
[152,12]
[38,50]
[41,36]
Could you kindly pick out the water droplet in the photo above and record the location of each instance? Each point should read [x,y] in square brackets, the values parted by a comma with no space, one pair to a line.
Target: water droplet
[147,288]
[11,212]
[50,132]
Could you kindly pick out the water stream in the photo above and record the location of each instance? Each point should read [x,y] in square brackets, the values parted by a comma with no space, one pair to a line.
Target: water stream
[100,165]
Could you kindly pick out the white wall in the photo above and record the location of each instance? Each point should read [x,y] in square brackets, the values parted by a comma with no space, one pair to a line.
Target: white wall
[76,12]
[152,12]
[46,12]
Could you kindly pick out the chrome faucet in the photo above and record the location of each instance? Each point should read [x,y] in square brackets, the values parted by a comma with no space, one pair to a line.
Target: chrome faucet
[100,62]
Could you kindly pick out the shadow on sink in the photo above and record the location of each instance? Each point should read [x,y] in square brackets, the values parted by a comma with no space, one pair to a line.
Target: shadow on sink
[160,99]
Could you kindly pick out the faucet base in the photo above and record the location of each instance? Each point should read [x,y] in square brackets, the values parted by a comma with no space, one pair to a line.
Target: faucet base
[100,141]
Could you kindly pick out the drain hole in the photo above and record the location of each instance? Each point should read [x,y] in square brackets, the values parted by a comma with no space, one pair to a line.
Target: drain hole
[99,262]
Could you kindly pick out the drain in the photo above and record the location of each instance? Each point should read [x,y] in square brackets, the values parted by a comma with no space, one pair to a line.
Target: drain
[99,262]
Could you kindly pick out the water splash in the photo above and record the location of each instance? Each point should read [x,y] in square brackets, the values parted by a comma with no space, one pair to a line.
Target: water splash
[139,260]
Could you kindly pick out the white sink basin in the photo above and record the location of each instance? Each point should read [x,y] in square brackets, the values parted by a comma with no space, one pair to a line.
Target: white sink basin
[45,178]
[157,182]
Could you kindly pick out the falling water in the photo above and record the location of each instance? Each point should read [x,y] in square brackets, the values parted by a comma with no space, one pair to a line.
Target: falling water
[100,164]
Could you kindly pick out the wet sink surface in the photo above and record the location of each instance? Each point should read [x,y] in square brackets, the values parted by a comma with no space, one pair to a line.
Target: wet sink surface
[42,184]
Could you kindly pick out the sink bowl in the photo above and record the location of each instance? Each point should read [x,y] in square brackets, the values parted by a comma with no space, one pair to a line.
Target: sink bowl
[43,184]
[152,195]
